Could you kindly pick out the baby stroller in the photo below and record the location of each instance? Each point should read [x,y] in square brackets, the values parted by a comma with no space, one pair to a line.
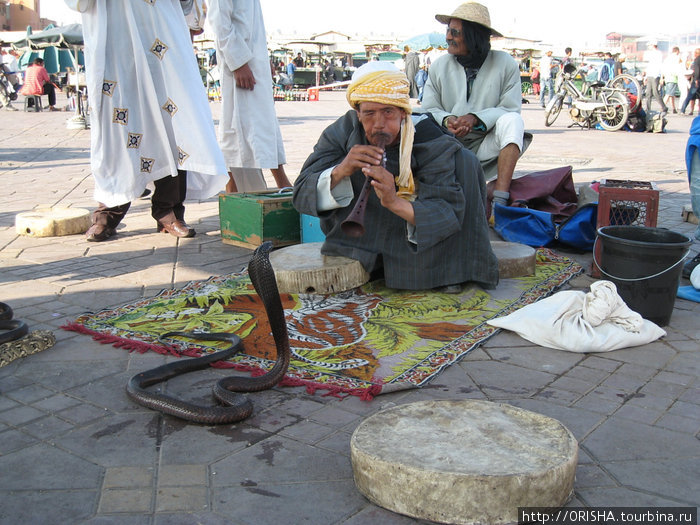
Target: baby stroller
[9,86]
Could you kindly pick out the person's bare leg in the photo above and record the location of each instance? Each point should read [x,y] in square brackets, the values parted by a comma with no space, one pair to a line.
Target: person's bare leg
[281,177]
[507,160]
[231,184]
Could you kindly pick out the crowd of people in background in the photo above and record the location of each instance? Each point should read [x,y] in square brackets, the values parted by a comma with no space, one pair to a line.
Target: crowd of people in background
[671,82]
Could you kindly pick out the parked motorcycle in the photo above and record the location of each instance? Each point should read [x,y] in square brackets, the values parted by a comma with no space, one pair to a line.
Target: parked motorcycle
[607,104]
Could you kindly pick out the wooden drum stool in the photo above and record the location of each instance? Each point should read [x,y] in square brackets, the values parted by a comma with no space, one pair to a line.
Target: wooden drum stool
[52,222]
[302,268]
[463,461]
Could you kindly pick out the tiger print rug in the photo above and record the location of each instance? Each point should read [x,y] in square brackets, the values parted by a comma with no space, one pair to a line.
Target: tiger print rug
[363,342]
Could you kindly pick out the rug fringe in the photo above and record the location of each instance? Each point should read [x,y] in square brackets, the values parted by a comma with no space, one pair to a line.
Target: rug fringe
[365,394]
[120,342]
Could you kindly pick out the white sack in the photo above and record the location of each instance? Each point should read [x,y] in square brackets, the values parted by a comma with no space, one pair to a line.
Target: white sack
[695,277]
[597,321]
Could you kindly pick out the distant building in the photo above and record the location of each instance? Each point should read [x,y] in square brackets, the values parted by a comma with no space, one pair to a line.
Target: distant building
[17,15]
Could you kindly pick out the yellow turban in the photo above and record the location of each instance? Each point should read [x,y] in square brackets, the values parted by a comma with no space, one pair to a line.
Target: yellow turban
[384,83]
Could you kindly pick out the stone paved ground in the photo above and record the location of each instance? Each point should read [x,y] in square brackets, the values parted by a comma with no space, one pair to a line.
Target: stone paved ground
[74,449]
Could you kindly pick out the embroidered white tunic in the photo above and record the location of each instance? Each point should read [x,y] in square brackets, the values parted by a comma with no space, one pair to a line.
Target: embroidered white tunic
[249,133]
[149,110]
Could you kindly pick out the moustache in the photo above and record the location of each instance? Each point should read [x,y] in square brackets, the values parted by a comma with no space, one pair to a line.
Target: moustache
[381,139]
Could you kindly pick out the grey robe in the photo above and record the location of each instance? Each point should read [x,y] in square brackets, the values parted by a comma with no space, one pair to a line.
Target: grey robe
[451,230]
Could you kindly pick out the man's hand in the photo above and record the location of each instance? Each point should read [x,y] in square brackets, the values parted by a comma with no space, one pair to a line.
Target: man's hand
[461,126]
[244,77]
[385,188]
[358,157]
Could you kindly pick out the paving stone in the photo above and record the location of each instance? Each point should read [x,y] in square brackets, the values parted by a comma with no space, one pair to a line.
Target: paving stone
[6,403]
[116,440]
[189,518]
[212,443]
[45,467]
[280,460]
[579,421]
[624,382]
[322,502]
[556,395]
[685,363]
[641,399]
[338,442]
[120,519]
[661,388]
[31,393]
[679,423]
[692,395]
[680,479]
[653,355]
[12,440]
[676,378]
[379,516]
[20,415]
[128,477]
[590,375]
[621,439]
[124,500]
[538,358]
[639,414]
[63,376]
[182,475]
[169,499]
[595,361]
[502,380]
[47,427]
[307,431]
[638,371]
[333,416]
[613,497]
[83,413]
[599,403]
[47,506]
[589,475]
[273,420]
[571,384]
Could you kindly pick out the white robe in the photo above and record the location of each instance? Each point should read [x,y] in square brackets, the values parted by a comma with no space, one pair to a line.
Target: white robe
[249,133]
[149,110]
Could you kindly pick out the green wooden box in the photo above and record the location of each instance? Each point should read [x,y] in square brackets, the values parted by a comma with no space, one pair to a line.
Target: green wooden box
[249,219]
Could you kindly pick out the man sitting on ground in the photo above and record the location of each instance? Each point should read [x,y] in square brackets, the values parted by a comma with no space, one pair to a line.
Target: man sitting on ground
[37,82]
[475,93]
[424,220]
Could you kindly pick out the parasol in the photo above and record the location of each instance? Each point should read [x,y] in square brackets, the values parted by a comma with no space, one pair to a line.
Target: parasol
[63,37]
[426,42]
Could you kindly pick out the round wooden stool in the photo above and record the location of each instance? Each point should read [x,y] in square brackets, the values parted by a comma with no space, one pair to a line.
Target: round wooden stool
[52,222]
[514,259]
[463,461]
[302,268]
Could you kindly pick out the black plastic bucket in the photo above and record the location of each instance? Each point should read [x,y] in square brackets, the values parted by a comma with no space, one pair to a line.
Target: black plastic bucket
[645,264]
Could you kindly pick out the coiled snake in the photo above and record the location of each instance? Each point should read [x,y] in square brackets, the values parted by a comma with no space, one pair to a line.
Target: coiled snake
[15,339]
[236,406]
[15,328]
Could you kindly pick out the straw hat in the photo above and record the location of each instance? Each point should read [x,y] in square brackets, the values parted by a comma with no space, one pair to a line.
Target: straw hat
[471,12]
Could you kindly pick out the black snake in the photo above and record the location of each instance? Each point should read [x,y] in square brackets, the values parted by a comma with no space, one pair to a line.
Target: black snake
[236,406]
[12,329]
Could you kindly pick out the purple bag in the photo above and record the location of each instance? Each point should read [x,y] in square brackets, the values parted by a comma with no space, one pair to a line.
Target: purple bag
[551,191]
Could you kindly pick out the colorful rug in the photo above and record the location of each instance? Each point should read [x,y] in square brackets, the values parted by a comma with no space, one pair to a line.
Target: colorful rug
[364,342]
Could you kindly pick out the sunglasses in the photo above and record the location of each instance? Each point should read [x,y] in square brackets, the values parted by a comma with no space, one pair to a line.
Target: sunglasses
[454,33]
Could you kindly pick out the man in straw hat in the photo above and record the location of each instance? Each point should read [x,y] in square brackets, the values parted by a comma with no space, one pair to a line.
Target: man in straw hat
[425,224]
[475,93]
